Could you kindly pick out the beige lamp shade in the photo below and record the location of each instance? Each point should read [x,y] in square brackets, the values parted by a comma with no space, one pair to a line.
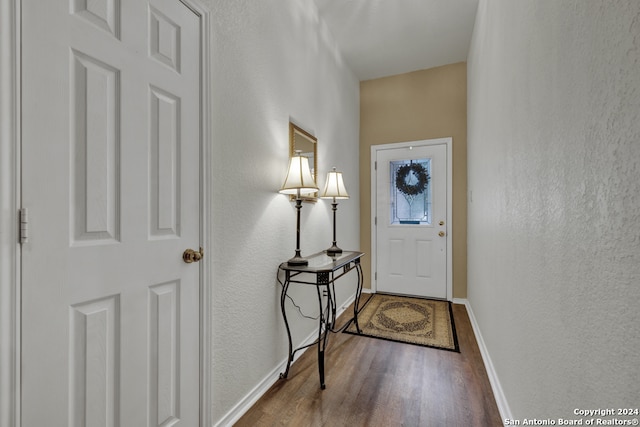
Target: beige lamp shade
[299,178]
[334,187]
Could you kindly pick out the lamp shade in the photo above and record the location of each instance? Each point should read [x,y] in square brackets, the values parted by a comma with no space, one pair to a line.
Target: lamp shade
[334,187]
[299,178]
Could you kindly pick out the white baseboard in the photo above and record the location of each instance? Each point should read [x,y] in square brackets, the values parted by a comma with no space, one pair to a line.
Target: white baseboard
[263,386]
[501,400]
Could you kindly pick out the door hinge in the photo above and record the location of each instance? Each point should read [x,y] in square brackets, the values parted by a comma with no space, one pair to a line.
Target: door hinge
[375,165]
[375,275]
[24,225]
[375,221]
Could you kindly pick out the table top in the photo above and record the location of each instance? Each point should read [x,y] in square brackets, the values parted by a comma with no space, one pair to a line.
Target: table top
[321,262]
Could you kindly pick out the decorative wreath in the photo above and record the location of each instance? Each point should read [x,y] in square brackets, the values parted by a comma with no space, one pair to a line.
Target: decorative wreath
[419,172]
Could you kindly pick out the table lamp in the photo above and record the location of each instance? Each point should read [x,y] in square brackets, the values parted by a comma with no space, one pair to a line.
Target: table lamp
[299,179]
[334,189]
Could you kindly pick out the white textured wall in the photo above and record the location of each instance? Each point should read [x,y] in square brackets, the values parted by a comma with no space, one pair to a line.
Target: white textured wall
[272,61]
[554,224]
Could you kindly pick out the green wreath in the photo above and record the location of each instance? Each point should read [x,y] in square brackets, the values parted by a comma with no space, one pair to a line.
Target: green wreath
[412,189]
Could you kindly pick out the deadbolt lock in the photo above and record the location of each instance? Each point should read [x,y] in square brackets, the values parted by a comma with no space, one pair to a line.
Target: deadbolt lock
[190,255]
[441,222]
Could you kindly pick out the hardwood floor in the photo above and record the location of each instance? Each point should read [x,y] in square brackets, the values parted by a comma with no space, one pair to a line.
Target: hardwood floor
[372,382]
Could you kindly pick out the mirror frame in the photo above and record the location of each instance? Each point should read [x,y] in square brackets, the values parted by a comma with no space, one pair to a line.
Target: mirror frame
[299,140]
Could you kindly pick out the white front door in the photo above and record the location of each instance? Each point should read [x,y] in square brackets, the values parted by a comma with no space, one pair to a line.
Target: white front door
[110,178]
[411,220]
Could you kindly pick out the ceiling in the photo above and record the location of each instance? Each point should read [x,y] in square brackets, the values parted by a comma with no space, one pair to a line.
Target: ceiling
[381,38]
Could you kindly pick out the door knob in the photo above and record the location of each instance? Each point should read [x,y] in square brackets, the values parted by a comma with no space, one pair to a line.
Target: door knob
[441,234]
[190,255]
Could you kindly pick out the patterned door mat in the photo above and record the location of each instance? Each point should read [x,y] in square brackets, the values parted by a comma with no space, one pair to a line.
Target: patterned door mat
[424,322]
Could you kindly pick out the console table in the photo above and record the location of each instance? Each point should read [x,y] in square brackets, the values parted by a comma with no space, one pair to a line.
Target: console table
[322,272]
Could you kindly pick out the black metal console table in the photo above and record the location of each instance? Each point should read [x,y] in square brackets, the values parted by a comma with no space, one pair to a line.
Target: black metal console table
[322,272]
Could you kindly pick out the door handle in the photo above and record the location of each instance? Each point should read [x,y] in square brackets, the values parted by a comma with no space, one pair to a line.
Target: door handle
[190,255]
[441,234]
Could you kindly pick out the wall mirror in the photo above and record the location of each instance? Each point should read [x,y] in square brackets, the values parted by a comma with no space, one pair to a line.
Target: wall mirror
[300,139]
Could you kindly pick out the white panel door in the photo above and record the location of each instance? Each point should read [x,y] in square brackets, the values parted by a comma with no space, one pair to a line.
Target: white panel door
[411,215]
[110,153]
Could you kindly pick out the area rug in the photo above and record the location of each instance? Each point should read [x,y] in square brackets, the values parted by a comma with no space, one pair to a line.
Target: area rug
[409,320]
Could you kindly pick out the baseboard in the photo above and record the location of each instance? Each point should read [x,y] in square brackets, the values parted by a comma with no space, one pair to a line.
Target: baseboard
[501,400]
[231,417]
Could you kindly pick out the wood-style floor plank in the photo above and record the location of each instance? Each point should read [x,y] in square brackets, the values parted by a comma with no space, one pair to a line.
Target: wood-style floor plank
[372,382]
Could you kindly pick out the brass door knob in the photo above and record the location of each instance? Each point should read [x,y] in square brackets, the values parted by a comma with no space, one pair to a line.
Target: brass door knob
[190,255]
[441,234]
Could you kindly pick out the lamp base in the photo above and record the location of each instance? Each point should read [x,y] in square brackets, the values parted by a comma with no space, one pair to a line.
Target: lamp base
[334,250]
[298,261]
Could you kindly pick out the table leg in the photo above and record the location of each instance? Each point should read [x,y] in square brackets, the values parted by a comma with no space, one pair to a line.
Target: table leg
[321,368]
[332,302]
[356,303]
[323,331]
[283,298]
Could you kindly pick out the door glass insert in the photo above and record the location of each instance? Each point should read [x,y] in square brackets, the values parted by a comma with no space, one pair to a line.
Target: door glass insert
[410,192]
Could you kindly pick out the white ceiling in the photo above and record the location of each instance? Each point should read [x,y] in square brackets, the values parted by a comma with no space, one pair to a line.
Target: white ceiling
[381,38]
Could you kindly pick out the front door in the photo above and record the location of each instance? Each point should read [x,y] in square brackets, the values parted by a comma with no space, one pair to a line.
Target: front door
[110,178]
[411,220]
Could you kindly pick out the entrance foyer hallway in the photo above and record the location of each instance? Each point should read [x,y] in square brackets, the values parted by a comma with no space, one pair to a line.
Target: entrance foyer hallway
[377,383]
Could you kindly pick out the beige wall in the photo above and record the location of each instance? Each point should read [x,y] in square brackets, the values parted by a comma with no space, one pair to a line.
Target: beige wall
[420,105]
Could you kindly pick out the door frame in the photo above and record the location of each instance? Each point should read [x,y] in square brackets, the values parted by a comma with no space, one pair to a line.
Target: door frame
[448,141]
[10,202]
